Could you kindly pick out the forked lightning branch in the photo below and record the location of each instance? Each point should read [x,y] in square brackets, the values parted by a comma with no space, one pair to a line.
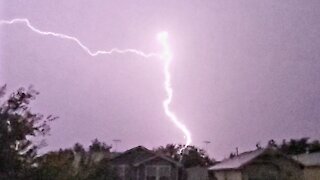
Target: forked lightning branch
[166,56]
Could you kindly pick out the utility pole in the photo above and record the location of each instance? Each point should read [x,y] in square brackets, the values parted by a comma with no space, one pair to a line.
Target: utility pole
[115,142]
[206,144]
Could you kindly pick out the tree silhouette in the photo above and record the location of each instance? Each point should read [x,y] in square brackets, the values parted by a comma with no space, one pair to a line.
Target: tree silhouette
[18,124]
[299,146]
[189,157]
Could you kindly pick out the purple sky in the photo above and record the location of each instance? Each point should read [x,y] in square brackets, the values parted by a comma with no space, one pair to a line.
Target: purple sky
[243,71]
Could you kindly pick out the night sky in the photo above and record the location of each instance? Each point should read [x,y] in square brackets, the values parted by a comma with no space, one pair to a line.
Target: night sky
[243,71]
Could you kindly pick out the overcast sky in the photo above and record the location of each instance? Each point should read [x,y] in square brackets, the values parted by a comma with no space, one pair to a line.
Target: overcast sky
[243,72]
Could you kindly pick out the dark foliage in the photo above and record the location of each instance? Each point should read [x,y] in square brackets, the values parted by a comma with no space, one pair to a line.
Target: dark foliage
[98,146]
[191,156]
[77,163]
[299,146]
[18,124]
[18,154]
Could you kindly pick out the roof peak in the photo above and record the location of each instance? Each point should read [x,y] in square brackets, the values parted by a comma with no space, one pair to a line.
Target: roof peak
[240,160]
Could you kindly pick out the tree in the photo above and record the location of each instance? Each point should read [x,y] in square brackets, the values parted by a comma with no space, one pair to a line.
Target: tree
[18,154]
[18,124]
[55,165]
[170,150]
[96,165]
[102,171]
[98,146]
[191,156]
[314,146]
[76,164]
[78,148]
[299,146]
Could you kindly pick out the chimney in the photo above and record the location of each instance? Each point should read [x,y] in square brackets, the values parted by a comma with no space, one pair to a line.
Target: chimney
[237,151]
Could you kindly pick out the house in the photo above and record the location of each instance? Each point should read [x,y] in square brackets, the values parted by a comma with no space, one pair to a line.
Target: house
[261,164]
[311,162]
[197,173]
[140,163]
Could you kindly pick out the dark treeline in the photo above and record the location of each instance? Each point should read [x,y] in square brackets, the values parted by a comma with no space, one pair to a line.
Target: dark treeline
[299,146]
[18,154]
[292,147]
[19,157]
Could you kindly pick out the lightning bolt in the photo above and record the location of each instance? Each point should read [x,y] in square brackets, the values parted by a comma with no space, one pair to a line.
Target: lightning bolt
[166,56]
[76,40]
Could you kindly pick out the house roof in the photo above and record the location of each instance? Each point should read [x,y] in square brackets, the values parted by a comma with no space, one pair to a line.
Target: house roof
[158,156]
[134,155]
[237,161]
[245,158]
[311,159]
[140,155]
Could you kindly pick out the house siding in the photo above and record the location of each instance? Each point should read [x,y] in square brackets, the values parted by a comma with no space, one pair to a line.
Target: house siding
[273,166]
[268,164]
[311,173]
[138,173]
[197,173]
[138,159]
[228,175]
[174,170]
